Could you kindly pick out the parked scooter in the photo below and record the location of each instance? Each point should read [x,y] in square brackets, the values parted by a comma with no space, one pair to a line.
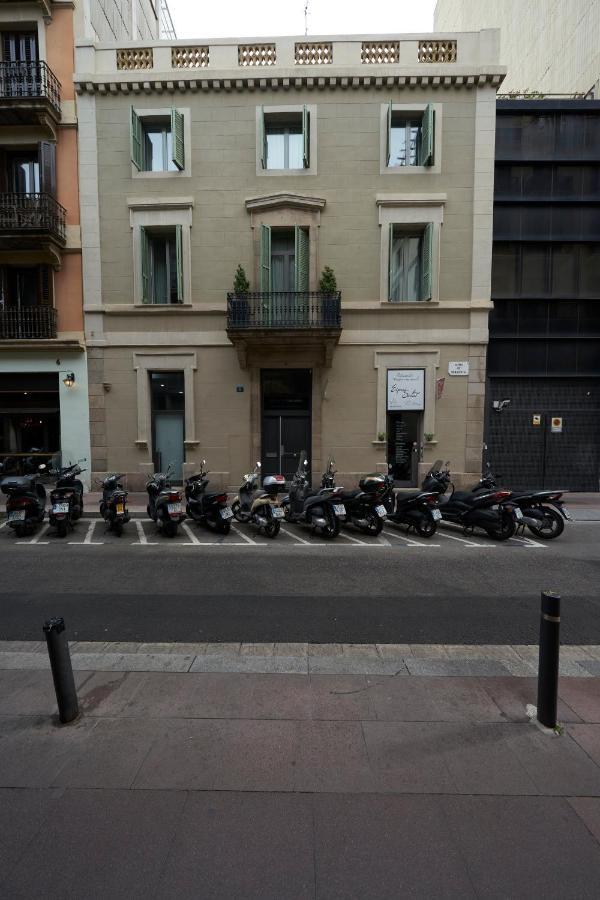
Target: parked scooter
[364,508]
[113,505]
[419,510]
[260,507]
[66,498]
[164,503]
[319,510]
[489,510]
[543,512]
[210,509]
[25,503]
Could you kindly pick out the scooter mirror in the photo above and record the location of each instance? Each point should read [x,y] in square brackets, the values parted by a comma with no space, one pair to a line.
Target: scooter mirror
[259,465]
[306,463]
[42,467]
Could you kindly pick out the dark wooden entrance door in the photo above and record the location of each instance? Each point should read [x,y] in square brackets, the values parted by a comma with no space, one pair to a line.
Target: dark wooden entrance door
[286,419]
[404,430]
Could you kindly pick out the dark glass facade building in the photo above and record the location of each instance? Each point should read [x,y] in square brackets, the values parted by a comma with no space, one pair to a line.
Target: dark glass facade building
[544,351]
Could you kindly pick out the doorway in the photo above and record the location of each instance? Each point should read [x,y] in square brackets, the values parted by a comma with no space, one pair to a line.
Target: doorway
[403,450]
[168,423]
[286,419]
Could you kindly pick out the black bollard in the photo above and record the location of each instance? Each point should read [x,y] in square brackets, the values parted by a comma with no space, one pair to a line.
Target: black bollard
[548,661]
[62,671]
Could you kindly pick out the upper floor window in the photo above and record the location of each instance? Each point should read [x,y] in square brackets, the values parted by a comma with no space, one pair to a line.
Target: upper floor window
[410,137]
[284,259]
[157,142]
[410,258]
[29,171]
[19,46]
[162,266]
[285,139]
[22,287]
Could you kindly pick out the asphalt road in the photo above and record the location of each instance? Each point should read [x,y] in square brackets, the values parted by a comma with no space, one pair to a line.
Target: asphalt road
[446,592]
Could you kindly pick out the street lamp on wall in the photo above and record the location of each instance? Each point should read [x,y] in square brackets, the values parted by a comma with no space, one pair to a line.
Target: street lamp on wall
[69,379]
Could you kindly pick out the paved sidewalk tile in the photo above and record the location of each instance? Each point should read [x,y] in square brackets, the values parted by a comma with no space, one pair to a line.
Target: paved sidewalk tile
[360,651]
[583,696]
[345,665]
[417,700]
[224,649]
[107,693]
[455,667]
[592,666]
[481,651]
[33,750]
[429,651]
[408,758]
[22,814]
[132,662]
[24,660]
[193,649]
[332,757]
[22,646]
[31,692]
[348,697]
[512,695]
[284,665]
[157,648]
[294,649]
[257,649]
[325,650]
[588,738]
[394,651]
[588,809]
[557,764]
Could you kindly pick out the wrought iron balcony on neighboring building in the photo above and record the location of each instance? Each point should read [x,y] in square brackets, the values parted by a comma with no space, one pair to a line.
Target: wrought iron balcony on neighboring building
[32,215]
[294,310]
[27,86]
[29,323]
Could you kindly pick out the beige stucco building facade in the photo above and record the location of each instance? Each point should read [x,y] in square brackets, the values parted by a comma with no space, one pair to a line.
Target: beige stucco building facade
[548,47]
[372,156]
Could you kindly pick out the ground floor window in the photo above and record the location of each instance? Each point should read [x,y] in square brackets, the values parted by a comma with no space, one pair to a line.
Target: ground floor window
[29,420]
[403,445]
[167,393]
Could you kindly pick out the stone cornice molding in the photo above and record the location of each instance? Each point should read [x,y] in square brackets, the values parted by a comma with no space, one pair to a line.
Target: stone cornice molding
[285,199]
[160,203]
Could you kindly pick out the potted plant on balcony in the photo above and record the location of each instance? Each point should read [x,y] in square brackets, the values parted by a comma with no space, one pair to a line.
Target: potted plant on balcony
[240,304]
[328,288]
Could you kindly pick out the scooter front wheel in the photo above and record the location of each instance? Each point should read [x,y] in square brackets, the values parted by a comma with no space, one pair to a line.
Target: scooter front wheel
[117,528]
[505,531]
[61,528]
[236,509]
[170,529]
[331,529]
[272,529]
[374,525]
[426,527]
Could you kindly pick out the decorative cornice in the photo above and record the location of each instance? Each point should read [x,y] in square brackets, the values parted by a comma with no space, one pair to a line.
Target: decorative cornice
[141,83]
[160,203]
[396,200]
[284,198]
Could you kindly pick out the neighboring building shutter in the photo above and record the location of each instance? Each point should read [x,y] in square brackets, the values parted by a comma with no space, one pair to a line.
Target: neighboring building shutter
[45,286]
[392,268]
[177,136]
[136,140]
[306,137]
[262,137]
[47,158]
[389,134]
[265,258]
[427,262]
[179,257]
[145,265]
[427,134]
[301,258]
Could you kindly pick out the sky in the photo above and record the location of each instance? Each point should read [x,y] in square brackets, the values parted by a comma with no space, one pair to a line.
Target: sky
[257,18]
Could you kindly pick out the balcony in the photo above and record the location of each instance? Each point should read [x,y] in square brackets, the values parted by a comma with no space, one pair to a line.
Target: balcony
[32,323]
[26,220]
[296,320]
[28,91]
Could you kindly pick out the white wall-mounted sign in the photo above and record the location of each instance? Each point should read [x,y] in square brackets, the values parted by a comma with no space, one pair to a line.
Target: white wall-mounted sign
[405,389]
[458,367]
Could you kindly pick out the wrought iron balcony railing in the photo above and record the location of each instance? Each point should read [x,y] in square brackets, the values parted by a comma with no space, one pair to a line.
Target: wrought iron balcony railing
[284,309]
[32,80]
[30,323]
[32,214]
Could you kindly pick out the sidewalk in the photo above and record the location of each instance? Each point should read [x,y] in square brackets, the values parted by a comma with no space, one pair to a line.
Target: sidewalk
[226,784]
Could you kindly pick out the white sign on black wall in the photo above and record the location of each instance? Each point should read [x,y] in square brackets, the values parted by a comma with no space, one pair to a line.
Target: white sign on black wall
[405,389]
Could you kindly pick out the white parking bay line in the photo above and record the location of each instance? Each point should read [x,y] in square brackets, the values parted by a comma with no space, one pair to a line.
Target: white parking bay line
[529,542]
[36,538]
[409,541]
[453,537]
[244,536]
[190,534]
[87,541]
[5,523]
[301,540]
[353,539]
[143,540]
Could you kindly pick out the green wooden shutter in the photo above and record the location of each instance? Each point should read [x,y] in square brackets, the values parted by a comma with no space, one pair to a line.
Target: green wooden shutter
[136,140]
[427,262]
[265,258]
[392,267]
[177,138]
[301,258]
[306,137]
[389,134]
[145,265]
[47,158]
[262,137]
[179,258]
[427,134]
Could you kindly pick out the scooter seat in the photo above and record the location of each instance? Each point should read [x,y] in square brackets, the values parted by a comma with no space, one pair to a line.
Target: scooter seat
[349,495]
[410,496]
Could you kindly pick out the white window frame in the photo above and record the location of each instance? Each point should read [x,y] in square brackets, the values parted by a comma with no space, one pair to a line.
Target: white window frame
[165,113]
[297,108]
[161,212]
[408,210]
[410,109]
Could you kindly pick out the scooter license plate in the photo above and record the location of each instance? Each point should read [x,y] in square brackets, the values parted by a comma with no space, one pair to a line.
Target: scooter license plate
[174,509]
[381,511]
[436,514]
[518,514]
[278,513]
[566,514]
[16,515]
[60,508]
[339,509]
[120,509]
[226,513]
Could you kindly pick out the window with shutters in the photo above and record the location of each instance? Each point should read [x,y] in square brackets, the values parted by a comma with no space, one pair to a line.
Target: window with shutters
[286,140]
[284,259]
[22,287]
[162,265]
[410,137]
[158,142]
[410,263]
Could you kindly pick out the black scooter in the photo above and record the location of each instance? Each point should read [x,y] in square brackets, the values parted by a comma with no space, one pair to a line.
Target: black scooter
[25,503]
[113,505]
[66,498]
[364,508]
[419,510]
[472,510]
[543,512]
[320,510]
[210,509]
[164,503]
